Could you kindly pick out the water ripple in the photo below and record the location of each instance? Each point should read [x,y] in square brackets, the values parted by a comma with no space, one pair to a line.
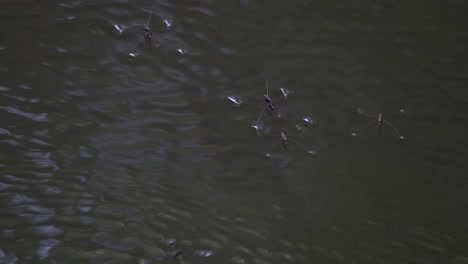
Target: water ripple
[115,243]
[115,159]
[40,117]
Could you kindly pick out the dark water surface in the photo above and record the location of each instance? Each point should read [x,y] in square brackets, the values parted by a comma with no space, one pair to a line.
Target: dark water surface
[111,158]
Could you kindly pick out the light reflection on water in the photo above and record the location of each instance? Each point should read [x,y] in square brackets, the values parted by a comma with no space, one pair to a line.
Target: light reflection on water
[111,158]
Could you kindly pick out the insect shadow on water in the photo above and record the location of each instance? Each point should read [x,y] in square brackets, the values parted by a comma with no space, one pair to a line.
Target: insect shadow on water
[285,142]
[379,121]
[272,107]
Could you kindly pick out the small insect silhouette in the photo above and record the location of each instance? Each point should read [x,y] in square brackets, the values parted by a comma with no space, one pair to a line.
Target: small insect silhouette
[271,106]
[379,120]
[286,146]
[148,33]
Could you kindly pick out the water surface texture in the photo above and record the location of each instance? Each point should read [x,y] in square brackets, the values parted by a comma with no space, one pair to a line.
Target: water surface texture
[117,148]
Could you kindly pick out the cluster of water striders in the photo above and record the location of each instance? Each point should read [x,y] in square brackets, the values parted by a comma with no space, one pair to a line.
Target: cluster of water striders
[275,110]
[270,106]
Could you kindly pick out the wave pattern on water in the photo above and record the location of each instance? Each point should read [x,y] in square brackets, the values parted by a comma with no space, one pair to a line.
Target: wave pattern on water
[109,157]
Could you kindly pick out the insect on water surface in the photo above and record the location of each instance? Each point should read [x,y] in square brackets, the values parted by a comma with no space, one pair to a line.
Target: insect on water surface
[286,146]
[379,121]
[148,33]
[274,109]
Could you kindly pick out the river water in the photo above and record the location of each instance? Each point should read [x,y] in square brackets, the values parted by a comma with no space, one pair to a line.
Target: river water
[119,149]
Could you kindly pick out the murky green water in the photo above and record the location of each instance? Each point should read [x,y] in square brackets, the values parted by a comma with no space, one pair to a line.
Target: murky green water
[111,158]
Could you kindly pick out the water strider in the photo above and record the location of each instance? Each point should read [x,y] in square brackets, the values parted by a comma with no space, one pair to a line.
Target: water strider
[285,143]
[273,108]
[379,119]
[148,33]
[147,37]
